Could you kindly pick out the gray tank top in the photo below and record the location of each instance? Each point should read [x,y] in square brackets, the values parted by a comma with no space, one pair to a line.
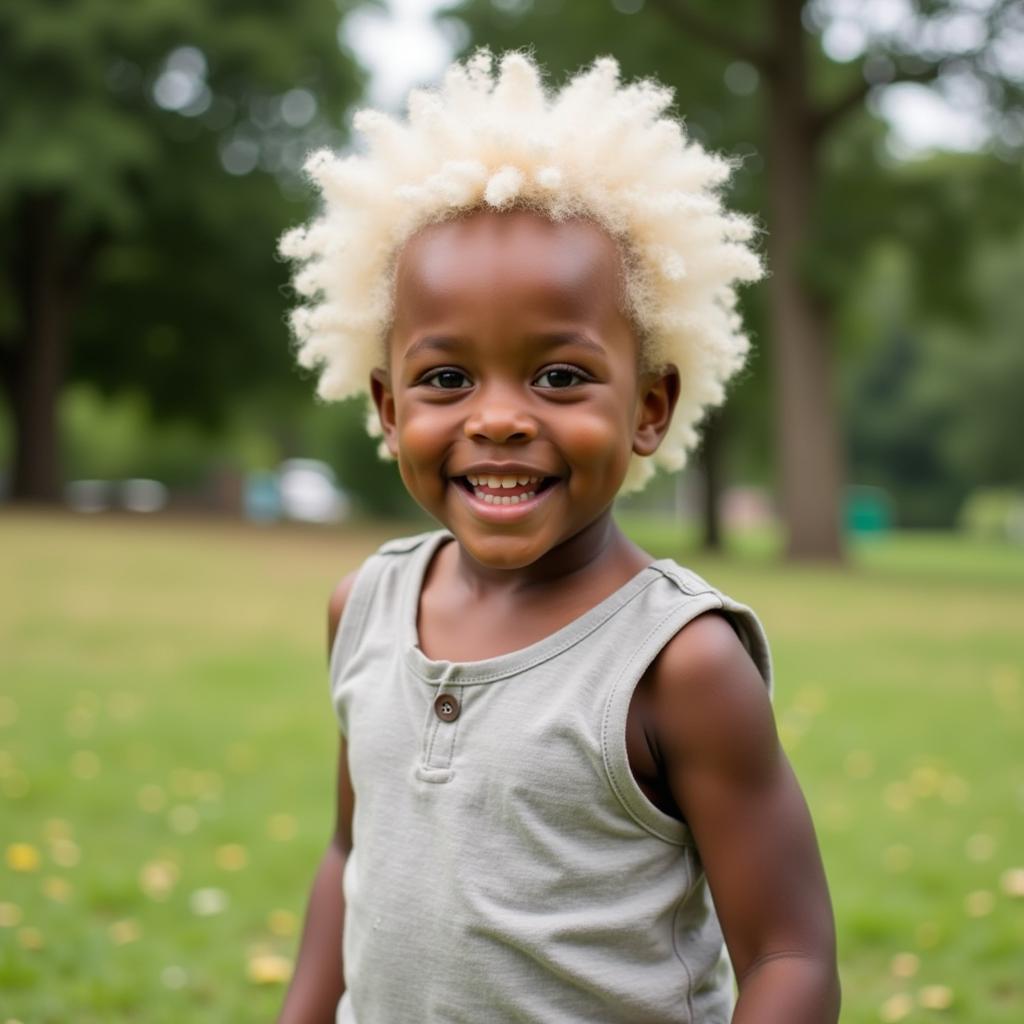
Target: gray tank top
[505,864]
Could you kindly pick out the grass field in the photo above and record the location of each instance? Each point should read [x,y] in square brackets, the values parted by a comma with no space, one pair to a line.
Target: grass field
[167,757]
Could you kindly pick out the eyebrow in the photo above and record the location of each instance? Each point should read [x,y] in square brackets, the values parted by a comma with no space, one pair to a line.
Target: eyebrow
[444,343]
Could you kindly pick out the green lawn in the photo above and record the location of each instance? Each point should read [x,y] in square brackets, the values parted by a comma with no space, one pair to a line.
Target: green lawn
[167,756]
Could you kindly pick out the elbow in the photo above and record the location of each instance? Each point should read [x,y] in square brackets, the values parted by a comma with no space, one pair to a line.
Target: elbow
[790,986]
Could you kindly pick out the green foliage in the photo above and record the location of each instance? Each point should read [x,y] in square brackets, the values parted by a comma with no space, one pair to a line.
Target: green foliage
[81,82]
[117,438]
[932,402]
[903,260]
[170,134]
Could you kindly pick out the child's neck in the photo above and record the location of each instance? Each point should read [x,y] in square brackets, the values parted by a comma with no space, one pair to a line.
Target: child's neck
[600,546]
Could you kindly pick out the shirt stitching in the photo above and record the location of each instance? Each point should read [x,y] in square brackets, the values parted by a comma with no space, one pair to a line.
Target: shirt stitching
[611,765]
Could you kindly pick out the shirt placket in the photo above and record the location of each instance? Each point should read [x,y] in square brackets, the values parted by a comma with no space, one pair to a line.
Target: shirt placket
[441,728]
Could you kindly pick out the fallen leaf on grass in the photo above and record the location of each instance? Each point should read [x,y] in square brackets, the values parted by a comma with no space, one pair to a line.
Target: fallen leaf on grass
[124,931]
[22,857]
[65,852]
[282,922]
[904,965]
[57,889]
[10,915]
[231,857]
[269,969]
[157,878]
[31,938]
[979,903]
[1012,882]
[935,997]
[208,902]
[896,1007]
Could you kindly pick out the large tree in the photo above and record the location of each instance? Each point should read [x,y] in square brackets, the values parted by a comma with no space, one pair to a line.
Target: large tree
[772,52]
[145,149]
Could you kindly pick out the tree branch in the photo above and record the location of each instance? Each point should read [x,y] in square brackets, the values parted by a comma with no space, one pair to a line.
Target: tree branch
[682,13]
[826,116]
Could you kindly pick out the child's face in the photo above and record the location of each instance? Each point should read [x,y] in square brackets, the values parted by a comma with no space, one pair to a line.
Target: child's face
[509,351]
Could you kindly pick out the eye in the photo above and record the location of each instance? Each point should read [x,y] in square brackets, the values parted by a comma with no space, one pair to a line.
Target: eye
[447,379]
[561,377]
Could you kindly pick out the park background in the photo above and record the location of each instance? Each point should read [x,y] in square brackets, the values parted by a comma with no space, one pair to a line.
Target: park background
[166,740]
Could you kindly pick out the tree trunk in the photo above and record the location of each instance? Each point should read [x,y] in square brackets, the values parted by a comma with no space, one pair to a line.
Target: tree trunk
[710,462]
[807,438]
[45,286]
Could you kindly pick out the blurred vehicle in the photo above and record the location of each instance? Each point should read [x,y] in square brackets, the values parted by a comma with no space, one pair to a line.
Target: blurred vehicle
[135,495]
[142,495]
[88,495]
[309,492]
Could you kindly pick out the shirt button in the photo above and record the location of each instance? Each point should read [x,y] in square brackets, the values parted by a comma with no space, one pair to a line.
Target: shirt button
[446,707]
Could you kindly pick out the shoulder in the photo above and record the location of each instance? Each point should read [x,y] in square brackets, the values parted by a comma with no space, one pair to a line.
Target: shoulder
[710,697]
[713,633]
[341,591]
[406,545]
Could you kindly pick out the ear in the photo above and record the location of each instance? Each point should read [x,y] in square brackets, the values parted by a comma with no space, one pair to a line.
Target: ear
[658,394]
[384,400]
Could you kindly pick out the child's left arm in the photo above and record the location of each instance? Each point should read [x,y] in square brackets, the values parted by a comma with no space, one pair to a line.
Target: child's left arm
[737,792]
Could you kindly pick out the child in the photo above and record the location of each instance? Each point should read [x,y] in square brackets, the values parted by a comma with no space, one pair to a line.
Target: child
[561,796]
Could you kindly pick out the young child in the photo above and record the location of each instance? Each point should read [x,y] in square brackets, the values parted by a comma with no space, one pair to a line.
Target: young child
[561,795]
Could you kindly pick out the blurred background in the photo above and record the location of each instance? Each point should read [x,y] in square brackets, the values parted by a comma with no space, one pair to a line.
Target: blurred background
[175,505]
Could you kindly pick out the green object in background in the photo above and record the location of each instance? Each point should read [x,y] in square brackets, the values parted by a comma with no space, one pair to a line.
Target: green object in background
[867,510]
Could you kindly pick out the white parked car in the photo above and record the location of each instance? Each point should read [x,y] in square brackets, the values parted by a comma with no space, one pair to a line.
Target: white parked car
[310,492]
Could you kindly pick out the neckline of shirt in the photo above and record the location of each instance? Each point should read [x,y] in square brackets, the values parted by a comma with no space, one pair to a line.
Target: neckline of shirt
[512,662]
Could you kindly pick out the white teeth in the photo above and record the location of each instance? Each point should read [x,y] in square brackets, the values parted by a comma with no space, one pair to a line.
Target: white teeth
[502,481]
[504,499]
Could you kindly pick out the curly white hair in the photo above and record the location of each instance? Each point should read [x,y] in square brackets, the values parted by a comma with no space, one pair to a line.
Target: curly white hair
[594,148]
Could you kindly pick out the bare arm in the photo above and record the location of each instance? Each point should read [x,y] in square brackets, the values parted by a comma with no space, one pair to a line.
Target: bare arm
[318,981]
[740,797]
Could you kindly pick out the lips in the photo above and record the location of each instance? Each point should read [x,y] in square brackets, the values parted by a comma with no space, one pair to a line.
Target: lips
[502,505]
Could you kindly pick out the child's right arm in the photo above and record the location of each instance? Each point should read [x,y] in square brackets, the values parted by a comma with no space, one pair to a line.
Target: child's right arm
[318,980]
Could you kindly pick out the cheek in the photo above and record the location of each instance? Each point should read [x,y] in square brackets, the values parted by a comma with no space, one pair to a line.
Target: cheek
[596,435]
[422,433]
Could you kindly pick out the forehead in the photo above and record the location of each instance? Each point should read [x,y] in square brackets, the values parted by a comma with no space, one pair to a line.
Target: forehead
[513,263]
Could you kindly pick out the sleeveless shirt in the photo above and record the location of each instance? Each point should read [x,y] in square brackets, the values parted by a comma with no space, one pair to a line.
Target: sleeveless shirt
[505,865]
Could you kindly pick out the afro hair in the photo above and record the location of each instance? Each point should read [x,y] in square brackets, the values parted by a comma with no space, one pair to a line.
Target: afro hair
[595,148]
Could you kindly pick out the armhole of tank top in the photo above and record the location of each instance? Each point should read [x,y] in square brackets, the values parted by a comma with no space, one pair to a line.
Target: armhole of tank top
[753,637]
[353,619]
[613,730]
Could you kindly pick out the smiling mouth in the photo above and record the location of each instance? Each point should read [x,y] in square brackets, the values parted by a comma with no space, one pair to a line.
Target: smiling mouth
[505,495]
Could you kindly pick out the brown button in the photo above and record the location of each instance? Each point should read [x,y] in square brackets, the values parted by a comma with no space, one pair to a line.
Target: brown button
[446,707]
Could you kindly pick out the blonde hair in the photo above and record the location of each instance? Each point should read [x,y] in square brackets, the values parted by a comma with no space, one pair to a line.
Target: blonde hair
[594,148]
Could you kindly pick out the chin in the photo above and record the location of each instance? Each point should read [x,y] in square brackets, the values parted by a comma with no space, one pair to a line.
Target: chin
[497,551]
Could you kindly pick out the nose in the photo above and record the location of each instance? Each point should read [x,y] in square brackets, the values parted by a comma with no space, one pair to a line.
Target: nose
[499,413]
